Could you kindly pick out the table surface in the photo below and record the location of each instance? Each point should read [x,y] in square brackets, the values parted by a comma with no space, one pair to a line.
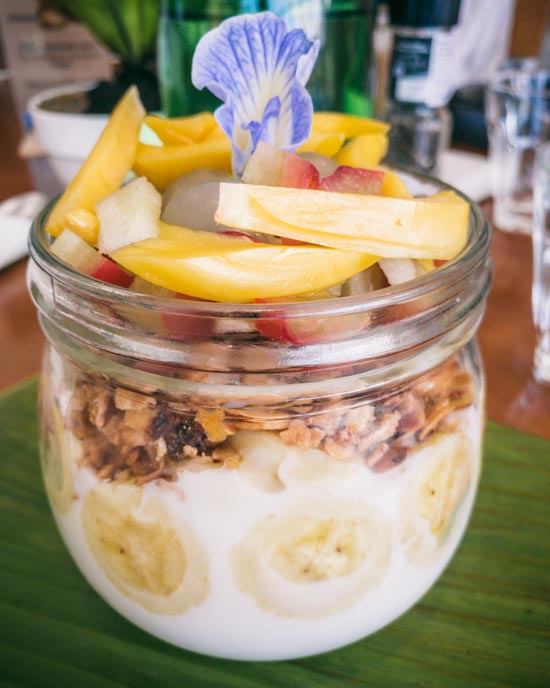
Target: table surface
[506,335]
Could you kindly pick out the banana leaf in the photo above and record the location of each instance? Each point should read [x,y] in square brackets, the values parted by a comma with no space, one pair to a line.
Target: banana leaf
[127,27]
[485,623]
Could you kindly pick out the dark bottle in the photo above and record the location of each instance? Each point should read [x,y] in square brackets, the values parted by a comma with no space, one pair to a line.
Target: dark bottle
[419,77]
[341,77]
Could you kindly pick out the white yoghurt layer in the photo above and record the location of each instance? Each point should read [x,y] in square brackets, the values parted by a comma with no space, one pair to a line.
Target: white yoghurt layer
[221,510]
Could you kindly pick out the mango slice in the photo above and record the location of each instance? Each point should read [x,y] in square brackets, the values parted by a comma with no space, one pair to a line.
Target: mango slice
[324,143]
[366,150]
[431,227]
[107,165]
[349,125]
[84,223]
[394,186]
[162,164]
[239,270]
[176,131]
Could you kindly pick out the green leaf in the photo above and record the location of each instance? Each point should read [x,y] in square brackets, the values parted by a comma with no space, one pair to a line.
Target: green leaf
[127,27]
[485,623]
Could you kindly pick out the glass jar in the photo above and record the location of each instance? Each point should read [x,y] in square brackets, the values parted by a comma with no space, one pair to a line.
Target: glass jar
[305,468]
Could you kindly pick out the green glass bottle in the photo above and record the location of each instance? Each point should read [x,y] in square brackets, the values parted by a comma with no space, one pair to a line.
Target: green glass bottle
[340,80]
[181,25]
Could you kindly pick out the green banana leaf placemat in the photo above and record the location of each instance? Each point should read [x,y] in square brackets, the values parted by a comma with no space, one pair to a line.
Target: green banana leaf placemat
[485,623]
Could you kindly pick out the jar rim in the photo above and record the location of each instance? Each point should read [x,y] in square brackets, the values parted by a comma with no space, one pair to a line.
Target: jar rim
[423,310]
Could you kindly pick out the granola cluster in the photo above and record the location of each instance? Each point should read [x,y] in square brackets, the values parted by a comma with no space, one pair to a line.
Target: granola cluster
[128,435]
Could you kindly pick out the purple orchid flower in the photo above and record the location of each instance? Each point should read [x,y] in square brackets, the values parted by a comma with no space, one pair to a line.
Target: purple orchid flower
[259,70]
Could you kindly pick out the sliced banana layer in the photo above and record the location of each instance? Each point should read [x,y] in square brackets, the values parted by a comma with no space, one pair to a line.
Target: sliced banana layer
[148,554]
[269,464]
[59,450]
[313,560]
[434,495]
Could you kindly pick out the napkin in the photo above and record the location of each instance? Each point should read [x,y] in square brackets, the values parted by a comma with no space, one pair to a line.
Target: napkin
[16,216]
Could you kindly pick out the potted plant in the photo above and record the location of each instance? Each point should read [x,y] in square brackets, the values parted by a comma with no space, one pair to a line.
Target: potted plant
[68,120]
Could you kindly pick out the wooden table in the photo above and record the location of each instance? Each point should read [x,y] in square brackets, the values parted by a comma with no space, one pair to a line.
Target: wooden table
[506,335]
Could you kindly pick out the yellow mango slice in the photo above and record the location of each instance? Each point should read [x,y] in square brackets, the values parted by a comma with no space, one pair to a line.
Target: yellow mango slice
[240,272]
[174,131]
[426,264]
[366,150]
[108,163]
[84,223]
[324,143]
[431,227]
[162,164]
[394,186]
[349,125]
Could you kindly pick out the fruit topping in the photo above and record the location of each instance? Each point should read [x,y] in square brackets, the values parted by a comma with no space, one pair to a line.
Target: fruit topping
[223,268]
[354,180]
[163,164]
[176,131]
[82,257]
[107,165]
[431,227]
[273,167]
[130,214]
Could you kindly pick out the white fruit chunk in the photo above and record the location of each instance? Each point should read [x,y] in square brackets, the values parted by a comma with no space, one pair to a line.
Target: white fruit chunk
[147,553]
[434,495]
[261,453]
[398,270]
[76,252]
[314,559]
[130,214]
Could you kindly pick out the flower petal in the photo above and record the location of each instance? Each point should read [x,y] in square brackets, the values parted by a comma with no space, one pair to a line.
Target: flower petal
[259,70]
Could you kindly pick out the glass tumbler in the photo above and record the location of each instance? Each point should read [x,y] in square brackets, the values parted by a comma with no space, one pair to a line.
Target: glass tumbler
[306,468]
[541,264]
[518,120]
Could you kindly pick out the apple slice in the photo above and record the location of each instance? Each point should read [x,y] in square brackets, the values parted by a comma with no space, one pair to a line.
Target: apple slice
[107,165]
[303,331]
[354,180]
[130,214]
[82,257]
[76,252]
[176,326]
[431,227]
[271,166]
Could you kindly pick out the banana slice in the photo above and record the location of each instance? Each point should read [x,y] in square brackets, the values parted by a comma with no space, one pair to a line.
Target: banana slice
[313,468]
[150,556]
[261,454]
[58,450]
[313,560]
[434,496]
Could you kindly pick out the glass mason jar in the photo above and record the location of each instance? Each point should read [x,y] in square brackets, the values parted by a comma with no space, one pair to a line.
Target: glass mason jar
[307,468]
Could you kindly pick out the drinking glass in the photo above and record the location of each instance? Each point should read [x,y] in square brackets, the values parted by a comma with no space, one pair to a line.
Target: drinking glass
[518,120]
[541,263]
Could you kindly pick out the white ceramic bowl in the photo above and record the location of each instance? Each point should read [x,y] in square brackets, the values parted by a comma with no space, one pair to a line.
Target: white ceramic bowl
[67,138]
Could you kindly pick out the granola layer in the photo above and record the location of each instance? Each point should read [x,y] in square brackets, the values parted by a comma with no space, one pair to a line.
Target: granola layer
[126,435]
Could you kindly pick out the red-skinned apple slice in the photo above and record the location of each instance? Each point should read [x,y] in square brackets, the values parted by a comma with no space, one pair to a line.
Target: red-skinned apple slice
[270,166]
[354,180]
[304,331]
[108,271]
[82,257]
